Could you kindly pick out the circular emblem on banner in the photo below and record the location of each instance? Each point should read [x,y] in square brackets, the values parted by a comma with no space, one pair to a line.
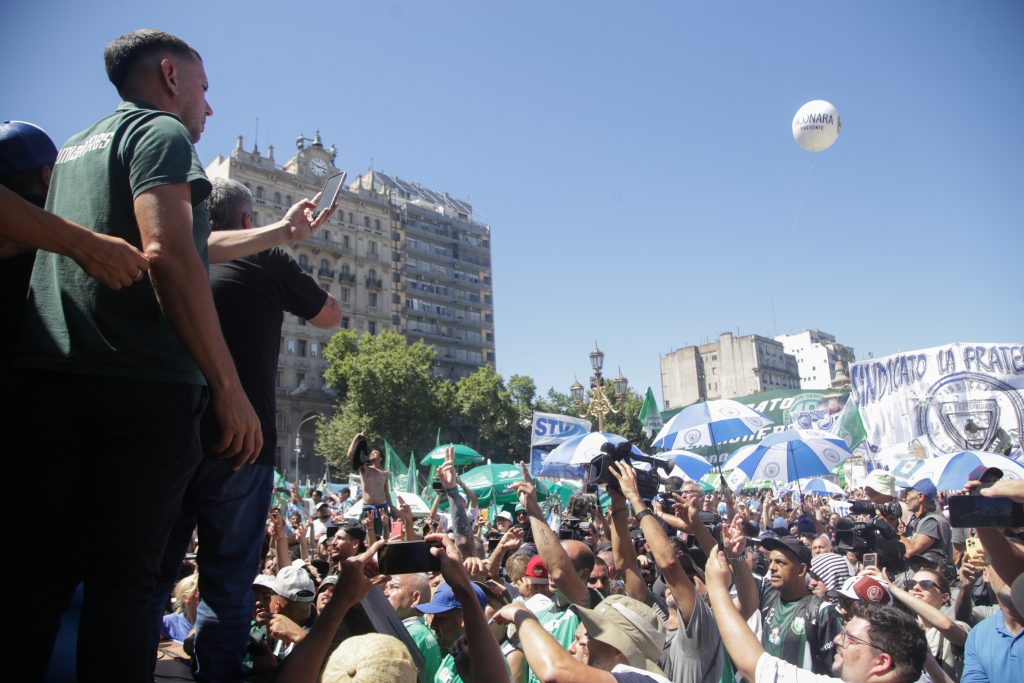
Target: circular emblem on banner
[874,594]
[691,437]
[830,454]
[971,411]
[771,469]
[728,411]
[753,422]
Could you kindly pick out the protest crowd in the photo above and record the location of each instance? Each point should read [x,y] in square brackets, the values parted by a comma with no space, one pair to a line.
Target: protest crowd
[166,380]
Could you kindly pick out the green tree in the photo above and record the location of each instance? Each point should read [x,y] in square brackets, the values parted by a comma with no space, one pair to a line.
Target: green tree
[386,389]
[484,413]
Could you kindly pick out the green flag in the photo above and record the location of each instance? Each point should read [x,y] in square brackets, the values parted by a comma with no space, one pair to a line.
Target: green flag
[410,480]
[849,425]
[650,416]
[397,471]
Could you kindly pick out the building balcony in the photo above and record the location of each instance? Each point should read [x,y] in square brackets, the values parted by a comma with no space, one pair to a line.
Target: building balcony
[347,276]
[306,267]
[326,273]
[374,283]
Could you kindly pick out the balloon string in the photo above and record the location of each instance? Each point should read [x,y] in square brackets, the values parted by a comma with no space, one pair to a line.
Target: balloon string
[789,240]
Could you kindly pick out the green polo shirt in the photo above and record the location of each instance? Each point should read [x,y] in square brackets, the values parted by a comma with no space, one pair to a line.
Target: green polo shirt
[74,324]
[425,640]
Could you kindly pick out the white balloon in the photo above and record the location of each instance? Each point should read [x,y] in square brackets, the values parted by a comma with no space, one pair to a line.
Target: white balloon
[816,125]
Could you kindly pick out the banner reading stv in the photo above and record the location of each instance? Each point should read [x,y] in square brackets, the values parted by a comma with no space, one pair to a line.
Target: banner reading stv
[943,399]
[552,429]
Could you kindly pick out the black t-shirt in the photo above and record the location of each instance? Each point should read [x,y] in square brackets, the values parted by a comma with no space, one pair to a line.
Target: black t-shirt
[252,294]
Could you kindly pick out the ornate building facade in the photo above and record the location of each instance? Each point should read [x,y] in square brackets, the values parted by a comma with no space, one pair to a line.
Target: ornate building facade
[370,256]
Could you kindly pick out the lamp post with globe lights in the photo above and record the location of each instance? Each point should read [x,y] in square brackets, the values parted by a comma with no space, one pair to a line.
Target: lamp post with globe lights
[600,403]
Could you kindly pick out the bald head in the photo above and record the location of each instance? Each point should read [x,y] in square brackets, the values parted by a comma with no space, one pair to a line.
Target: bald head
[581,556]
[405,591]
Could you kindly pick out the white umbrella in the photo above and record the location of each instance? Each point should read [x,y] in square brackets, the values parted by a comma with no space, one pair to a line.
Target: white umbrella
[790,455]
[950,472]
[709,424]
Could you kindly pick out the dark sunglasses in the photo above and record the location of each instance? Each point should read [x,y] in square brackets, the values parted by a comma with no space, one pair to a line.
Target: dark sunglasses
[925,584]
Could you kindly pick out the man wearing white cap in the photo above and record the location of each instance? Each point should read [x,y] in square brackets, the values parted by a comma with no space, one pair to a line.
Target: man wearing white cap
[619,641]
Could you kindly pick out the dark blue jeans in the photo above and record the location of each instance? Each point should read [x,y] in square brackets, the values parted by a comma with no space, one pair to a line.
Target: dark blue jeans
[114,456]
[230,510]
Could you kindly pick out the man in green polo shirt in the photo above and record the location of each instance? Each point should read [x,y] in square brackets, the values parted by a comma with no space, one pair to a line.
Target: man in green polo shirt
[405,592]
[125,371]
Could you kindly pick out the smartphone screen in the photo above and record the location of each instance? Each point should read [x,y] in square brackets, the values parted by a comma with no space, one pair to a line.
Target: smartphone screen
[870,560]
[983,512]
[330,193]
[407,557]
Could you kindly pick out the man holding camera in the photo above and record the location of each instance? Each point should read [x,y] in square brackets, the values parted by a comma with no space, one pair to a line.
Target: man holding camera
[928,535]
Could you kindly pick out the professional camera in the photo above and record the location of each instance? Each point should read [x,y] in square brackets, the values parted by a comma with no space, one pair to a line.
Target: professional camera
[889,510]
[599,470]
[574,528]
[876,536]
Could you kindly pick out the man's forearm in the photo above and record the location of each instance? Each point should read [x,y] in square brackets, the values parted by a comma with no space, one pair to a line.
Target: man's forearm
[665,557]
[547,658]
[487,662]
[227,245]
[743,647]
[303,663]
[624,553]
[560,569]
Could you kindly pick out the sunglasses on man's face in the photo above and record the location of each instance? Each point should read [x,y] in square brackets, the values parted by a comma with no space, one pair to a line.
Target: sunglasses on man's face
[925,584]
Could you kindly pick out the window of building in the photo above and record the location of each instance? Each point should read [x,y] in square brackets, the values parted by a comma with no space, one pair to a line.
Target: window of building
[344,322]
[288,199]
[259,192]
[324,264]
[344,295]
[327,235]
[301,348]
[281,420]
[291,346]
[372,247]
[300,377]
[372,300]
[277,197]
[303,260]
[256,217]
[345,242]
[314,350]
[366,221]
[376,223]
[371,327]
[372,274]
[350,219]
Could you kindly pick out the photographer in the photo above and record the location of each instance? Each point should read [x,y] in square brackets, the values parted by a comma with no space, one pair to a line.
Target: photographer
[928,535]
[695,653]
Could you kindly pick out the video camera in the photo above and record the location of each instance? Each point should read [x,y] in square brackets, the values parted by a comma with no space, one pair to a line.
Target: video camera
[599,470]
[889,510]
[876,536]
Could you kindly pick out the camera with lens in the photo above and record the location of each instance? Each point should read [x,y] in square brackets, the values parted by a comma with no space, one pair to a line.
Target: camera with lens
[599,471]
[889,510]
[574,528]
[876,536]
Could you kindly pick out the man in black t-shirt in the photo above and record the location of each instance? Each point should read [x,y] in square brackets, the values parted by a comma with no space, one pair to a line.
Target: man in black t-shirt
[230,507]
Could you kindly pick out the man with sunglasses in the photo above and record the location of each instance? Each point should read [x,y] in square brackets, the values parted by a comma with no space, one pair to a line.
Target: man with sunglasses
[879,644]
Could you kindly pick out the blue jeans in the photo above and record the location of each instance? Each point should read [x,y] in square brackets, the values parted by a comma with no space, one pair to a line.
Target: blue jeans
[230,510]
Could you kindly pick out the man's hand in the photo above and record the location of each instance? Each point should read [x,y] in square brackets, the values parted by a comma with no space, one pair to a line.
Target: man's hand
[476,567]
[299,218]
[452,569]
[356,576]
[735,541]
[1004,488]
[717,573]
[404,511]
[527,491]
[283,628]
[512,539]
[687,513]
[110,260]
[241,436]
[507,614]
[626,475]
[970,570]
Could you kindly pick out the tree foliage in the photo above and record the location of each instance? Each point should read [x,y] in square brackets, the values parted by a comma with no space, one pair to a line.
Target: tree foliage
[387,390]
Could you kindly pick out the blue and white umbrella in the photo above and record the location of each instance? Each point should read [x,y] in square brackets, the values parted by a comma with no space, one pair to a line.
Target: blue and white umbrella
[822,487]
[950,471]
[580,450]
[709,424]
[790,455]
[686,464]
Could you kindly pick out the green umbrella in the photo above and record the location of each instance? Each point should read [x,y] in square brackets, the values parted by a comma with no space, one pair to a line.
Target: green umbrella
[494,482]
[464,455]
[564,490]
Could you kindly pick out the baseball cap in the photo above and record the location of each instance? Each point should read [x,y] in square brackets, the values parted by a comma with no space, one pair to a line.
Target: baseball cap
[791,546]
[881,481]
[24,146]
[536,572]
[926,487]
[981,471]
[265,581]
[628,625]
[445,601]
[370,658]
[504,514]
[294,584]
[866,588]
[331,580]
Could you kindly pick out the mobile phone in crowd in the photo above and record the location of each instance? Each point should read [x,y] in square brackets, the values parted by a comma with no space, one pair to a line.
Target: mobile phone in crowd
[870,560]
[408,557]
[329,194]
[981,512]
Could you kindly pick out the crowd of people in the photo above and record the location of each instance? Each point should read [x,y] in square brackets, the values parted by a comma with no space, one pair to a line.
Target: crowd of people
[150,321]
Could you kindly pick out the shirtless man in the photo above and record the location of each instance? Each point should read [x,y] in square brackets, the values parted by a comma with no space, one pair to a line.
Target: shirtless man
[369,463]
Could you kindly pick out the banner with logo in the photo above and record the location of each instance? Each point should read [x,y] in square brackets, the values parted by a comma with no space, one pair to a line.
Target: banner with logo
[550,429]
[942,400]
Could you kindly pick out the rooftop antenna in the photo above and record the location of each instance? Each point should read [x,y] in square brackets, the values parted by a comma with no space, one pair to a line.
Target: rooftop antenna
[256,138]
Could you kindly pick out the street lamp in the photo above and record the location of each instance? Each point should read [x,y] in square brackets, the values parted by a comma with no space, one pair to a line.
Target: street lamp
[298,442]
[600,404]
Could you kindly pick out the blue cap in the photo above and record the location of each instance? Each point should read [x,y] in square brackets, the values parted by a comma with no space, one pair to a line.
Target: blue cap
[926,488]
[24,147]
[445,601]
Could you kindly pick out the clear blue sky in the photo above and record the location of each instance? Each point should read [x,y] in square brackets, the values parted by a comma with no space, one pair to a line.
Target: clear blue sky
[634,159]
